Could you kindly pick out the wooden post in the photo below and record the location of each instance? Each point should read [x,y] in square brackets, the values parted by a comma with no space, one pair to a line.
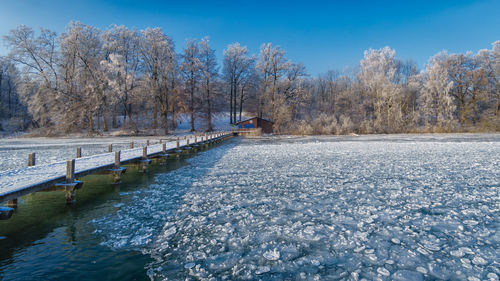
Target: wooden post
[131,144]
[147,142]
[161,141]
[145,152]
[110,147]
[177,142]
[117,159]
[187,142]
[195,139]
[164,148]
[31,159]
[70,171]
[78,152]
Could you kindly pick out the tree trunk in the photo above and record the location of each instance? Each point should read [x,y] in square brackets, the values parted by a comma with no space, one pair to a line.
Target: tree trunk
[241,102]
[99,120]
[231,104]
[115,124]
[191,104]
[235,105]
[209,109]
[155,116]
[172,120]
[91,124]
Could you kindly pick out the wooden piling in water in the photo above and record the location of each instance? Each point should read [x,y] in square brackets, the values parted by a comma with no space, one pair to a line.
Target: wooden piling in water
[70,178]
[147,142]
[78,152]
[110,147]
[117,171]
[117,159]
[131,144]
[31,159]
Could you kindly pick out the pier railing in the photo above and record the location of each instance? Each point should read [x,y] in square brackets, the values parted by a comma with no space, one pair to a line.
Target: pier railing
[63,175]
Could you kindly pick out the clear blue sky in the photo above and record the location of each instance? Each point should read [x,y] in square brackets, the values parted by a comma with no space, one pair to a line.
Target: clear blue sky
[323,35]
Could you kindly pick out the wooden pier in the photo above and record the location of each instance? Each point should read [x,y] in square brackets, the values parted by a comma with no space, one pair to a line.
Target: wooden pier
[64,175]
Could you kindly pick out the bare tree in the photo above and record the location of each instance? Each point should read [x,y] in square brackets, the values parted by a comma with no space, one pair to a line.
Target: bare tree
[191,70]
[209,73]
[237,64]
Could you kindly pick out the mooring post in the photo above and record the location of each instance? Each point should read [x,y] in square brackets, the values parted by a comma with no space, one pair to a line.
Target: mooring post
[195,139]
[70,178]
[117,159]
[31,159]
[164,148]
[161,141]
[147,142]
[78,152]
[177,143]
[117,171]
[187,141]
[110,147]
[131,144]
[70,171]
[145,161]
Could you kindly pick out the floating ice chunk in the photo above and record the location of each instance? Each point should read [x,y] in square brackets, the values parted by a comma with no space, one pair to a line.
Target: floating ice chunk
[383,271]
[170,231]
[479,261]
[262,270]
[359,249]
[315,262]
[395,241]
[421,270]
[457,253]
[273,255]
[405,275]
[492,276]
[189,265]
[472,278]
[467,250]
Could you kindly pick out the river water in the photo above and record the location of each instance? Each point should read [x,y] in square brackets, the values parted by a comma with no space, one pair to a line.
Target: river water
[317,208]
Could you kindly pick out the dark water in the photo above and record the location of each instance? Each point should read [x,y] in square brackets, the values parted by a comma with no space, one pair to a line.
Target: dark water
[48,240]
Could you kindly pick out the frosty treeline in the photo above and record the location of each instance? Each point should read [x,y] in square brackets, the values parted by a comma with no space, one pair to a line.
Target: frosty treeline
[93,80]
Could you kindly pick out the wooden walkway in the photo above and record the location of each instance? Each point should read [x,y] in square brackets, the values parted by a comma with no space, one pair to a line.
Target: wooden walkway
[20,182]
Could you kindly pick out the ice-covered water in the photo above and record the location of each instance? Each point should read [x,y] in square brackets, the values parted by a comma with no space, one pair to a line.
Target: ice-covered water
[375,208]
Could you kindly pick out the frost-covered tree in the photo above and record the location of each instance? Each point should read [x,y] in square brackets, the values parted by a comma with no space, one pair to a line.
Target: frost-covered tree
[87,88]
[209,73]
[122,52]
[469,85]
[272,66]
[37,55]
[377,76]
[237,65]
[159,62]
[435,102]
[190,67]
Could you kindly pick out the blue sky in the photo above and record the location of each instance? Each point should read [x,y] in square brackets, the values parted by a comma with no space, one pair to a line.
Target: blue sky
[324,35]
